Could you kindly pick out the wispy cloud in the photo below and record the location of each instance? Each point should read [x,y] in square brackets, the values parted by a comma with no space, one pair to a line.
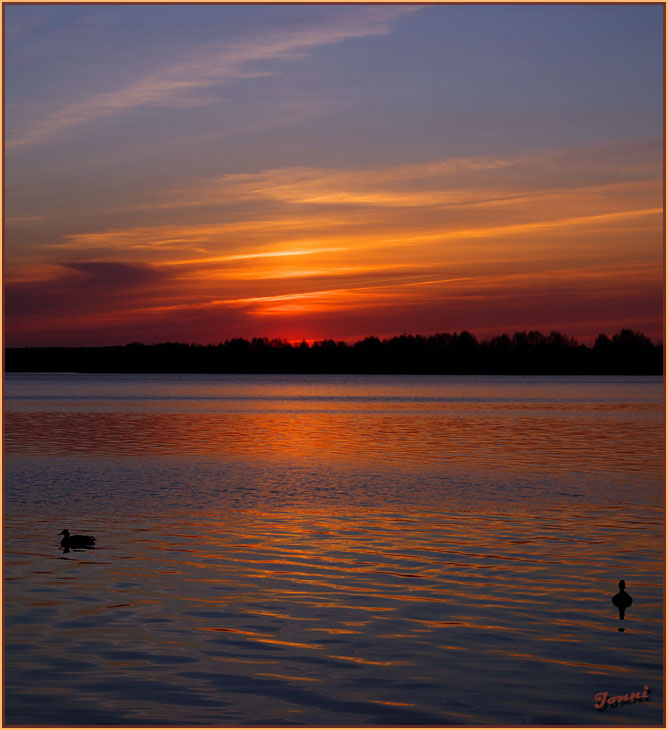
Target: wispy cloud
[457,181]
[183,82]
[416,290]
[23,218]
[166,236]
[180,235]
[454,216]
[249,241]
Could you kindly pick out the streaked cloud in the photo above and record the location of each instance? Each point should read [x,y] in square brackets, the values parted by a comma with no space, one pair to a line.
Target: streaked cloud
[328,172]
[183,83]
[495,233]
[164,236]
[439,207]
[477,181]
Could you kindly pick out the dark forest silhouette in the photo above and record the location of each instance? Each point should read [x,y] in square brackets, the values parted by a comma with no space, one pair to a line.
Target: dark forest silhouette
[525,353]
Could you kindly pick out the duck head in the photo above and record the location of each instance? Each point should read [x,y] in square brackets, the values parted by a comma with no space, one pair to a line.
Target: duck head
[622,583]
[64,532]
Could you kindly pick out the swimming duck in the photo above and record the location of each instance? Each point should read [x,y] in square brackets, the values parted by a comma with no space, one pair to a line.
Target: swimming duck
[622,599]
[76,541]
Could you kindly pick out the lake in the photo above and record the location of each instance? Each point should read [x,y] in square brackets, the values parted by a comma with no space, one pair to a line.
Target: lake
[332,550]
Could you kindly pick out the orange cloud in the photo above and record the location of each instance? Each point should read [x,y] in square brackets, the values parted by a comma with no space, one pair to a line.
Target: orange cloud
[396,241]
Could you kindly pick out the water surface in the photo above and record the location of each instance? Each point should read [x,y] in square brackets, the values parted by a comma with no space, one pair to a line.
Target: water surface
[342,550]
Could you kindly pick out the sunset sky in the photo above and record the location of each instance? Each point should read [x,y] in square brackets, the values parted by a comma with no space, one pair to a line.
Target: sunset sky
[200,172]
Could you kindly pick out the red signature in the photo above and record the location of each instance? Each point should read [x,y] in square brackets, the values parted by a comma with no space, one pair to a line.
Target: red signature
[602,701]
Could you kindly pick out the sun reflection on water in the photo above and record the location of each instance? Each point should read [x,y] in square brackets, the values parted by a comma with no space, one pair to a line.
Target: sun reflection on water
[395,564]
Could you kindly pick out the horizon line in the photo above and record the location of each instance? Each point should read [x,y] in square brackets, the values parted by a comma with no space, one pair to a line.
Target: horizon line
[351,341]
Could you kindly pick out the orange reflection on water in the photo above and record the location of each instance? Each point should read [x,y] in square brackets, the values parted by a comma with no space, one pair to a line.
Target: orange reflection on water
[570,663]
[241,660]
[300,644]
[394,704]
[359,660]
[436,590]
[297,537]
[286,616]
[288,676]
[404,436]
[336,631]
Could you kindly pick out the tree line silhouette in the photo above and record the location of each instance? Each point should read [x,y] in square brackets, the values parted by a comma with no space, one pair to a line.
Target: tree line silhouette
[524,353]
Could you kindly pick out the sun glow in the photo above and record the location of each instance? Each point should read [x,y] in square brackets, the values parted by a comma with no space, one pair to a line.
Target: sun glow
[368,245]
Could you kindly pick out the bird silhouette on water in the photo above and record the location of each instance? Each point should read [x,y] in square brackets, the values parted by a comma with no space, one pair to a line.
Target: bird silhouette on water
[622,599]
[76,541]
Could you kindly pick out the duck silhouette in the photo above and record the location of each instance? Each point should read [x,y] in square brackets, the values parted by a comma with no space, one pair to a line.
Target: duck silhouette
[622,599]
[76,541]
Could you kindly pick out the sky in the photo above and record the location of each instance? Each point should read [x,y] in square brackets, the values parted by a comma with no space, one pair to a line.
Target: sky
[196,173]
